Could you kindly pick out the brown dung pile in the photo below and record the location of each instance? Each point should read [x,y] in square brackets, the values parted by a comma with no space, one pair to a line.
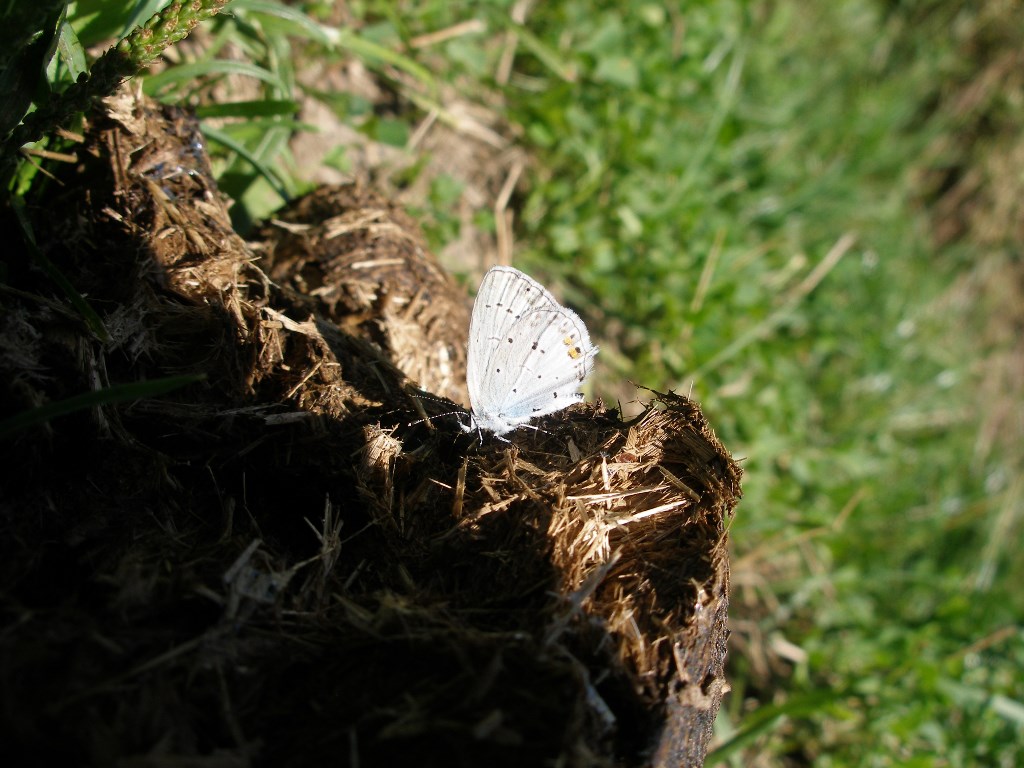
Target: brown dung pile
[282,563]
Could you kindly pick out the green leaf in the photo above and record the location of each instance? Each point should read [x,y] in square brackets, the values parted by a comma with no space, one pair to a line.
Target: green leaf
[617,70]
[23,60]
[98,20]
[71,51]
[395,133]
[249,109]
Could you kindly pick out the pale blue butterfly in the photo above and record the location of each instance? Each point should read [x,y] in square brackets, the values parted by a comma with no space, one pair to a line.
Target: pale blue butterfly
[528,355]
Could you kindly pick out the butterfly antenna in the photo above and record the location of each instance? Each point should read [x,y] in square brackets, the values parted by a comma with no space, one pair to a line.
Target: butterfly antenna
[417,400]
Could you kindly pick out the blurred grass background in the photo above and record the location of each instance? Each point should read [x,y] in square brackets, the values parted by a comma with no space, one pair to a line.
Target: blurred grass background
[805,214]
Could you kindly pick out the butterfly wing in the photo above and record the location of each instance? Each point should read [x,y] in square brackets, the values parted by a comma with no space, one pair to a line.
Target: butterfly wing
[504,295]
[548,377]
[528,355]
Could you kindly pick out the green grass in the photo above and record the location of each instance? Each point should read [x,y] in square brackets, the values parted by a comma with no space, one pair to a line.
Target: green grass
[726,192]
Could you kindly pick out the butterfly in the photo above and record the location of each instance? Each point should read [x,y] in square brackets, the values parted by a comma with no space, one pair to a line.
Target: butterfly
[528,355]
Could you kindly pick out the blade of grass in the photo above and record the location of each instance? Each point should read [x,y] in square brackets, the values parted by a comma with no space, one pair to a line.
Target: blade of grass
[117,394]
[333,37]
[349,40]
[765,719]
[303,24]
[547,55]
[766,326]
[184,73]
[268,108]
[143,10]
[264,170]
[87,313]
